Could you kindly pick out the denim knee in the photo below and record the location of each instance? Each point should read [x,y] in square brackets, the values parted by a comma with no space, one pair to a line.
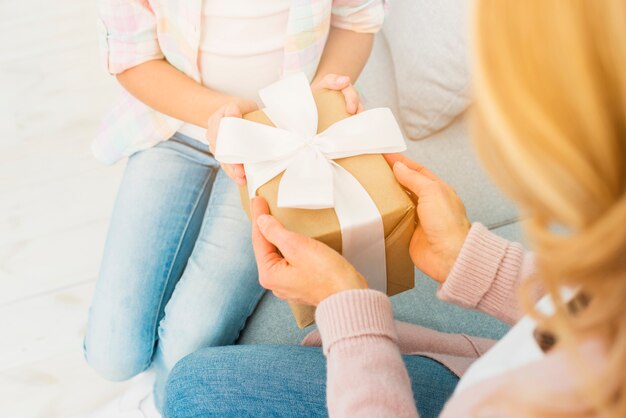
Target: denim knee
[180,385]
[248,381]
[117,363]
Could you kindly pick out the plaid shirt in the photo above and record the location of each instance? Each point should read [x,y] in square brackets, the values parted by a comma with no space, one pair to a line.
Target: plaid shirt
[136,31]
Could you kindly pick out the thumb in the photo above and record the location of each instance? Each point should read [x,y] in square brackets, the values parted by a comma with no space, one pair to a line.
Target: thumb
[411,179]
[286,241]
[248,107]
[232,110]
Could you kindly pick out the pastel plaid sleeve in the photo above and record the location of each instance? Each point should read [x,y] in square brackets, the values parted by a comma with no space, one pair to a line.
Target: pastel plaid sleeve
[128,34]
[365,16]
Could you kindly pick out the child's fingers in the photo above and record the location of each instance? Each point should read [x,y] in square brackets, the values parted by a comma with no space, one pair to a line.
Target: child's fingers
[213,125]
[232,110]
[352,99]
[240,174]
[341,82]
[333,82]
[235,172]
[248,106]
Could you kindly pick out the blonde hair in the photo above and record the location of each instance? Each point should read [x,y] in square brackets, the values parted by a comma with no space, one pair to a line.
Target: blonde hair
[550,86]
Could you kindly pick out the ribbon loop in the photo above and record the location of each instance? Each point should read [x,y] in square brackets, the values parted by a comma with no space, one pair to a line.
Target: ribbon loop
[374,131]
[290,105]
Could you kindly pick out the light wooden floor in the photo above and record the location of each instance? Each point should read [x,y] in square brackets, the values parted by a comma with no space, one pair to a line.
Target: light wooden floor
[55,200]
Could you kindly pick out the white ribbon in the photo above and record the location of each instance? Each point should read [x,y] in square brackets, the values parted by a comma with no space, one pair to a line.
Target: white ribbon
[311,179]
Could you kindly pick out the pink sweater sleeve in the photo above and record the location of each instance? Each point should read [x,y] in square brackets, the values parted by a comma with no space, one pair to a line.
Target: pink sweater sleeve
[487,274]
[365,372]
[366,376]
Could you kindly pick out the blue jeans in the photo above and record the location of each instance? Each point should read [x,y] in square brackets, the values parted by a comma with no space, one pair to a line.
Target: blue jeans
[178,271]
[279,381]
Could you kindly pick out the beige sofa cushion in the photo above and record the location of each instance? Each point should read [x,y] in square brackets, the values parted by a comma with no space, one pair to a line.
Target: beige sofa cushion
[427,44]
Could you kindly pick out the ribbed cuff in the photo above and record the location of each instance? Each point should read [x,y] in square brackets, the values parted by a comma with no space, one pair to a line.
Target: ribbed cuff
[354,313]
[475,269]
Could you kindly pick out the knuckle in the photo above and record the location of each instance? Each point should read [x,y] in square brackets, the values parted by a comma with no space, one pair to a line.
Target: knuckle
[285,245]
[270,230]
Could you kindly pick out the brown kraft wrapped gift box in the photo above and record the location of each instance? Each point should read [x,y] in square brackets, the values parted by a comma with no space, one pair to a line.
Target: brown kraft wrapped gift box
[372,171]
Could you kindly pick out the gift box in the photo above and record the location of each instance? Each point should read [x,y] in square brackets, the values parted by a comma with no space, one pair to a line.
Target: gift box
[394,206]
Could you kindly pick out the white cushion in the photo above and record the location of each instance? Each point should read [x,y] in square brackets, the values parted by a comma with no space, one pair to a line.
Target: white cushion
[427,41]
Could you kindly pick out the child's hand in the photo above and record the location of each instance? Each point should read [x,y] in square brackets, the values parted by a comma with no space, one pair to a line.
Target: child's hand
[235,109]
[341,83]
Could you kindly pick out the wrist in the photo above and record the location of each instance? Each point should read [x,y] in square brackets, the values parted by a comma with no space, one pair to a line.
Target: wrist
[454,249]
[354,281]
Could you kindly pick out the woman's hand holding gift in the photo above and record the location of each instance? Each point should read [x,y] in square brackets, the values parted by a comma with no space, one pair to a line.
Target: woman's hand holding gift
[340,83]
[443,223]
[306,271]
[236,109]
[295,267]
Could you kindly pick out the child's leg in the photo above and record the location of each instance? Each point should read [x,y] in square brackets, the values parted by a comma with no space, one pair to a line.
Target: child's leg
[155,222]
[219,288]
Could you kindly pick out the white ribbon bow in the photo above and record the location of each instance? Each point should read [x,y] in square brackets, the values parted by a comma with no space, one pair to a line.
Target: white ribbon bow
[311,179]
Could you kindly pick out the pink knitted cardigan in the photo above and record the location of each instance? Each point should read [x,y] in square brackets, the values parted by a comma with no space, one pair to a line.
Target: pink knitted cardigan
[363,344]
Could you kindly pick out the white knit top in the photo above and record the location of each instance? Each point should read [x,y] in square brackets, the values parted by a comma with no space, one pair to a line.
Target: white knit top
[241,48]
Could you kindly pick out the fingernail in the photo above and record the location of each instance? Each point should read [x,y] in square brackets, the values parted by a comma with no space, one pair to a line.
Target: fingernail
[343,79]
[262,220]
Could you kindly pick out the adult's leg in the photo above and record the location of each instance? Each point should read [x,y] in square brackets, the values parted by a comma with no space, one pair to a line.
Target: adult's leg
[278,381]
[155,222]
[248,381]
[432,384]
[219,288]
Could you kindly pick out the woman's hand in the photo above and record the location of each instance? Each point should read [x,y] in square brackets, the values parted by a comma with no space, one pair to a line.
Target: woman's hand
[295,267]
[236,109]
[443,223]
[340,83]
